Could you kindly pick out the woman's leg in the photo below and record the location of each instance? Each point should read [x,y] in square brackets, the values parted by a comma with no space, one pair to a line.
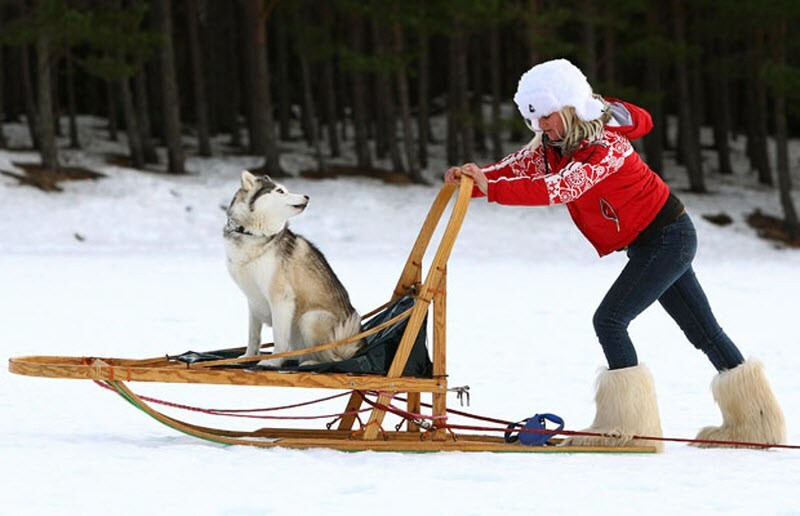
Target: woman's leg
[687,304]
[652,268]
[626,397]
[750,412]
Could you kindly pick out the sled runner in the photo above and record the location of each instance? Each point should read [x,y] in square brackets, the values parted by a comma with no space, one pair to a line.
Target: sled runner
[392,365]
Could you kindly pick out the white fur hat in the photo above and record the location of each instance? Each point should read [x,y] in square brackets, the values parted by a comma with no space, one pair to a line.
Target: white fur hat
[551,86]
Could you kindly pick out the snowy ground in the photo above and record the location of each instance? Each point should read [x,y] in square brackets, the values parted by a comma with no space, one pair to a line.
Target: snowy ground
[148,278]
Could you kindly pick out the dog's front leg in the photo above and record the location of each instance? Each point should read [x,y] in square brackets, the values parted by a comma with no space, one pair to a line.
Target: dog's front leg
[281,331]
[254,335]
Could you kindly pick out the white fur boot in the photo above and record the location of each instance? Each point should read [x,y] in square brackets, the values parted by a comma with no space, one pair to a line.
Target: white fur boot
[626,406]
[750,412]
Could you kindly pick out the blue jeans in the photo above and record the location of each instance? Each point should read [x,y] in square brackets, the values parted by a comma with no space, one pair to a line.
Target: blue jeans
[660,268]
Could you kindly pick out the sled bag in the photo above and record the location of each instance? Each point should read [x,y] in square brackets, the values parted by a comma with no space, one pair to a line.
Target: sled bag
[374,357]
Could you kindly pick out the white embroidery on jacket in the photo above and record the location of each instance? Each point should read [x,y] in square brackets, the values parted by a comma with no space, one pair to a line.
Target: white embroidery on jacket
[571,181]
[526,162]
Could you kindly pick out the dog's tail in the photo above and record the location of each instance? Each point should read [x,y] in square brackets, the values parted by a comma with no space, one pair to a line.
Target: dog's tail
[344,330]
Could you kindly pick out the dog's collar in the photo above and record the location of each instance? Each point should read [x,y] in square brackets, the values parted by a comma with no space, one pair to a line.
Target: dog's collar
[231,227]
[241,230]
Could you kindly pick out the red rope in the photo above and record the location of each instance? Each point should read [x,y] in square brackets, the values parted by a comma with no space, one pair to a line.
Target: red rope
[401,413]
[409,416]
[243,413]
[637,437]
[416,417]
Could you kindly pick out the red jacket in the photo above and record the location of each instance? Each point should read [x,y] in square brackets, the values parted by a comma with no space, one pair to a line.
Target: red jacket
[611,194]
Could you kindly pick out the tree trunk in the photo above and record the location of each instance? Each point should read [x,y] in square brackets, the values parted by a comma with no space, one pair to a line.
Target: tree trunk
[589,20]
[74,142]
[329,89]
[362,147]
[517,57]
[609,53]
[111,111]
[412,161]
[257,15]
[535,28]
[155,100]
[143,117]
[328,85]
[689,144]
[131,124]
[198,80]
[475,99]
[494,74]
[46,130]
[309,110]
[453,149]
[224,81]
[760,116]
[253,93]
[344,103]
[385,101]
[755,113]
[284,79]
[698,37]
[423,85]
[781,140]
[54,89]
[654,142]
[162,10]
[379,92]
[307,113]
[462,86]
[3,141]
[720,109]
[28,96]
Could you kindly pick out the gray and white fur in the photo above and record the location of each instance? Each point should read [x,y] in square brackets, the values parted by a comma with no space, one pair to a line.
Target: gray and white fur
[288,283]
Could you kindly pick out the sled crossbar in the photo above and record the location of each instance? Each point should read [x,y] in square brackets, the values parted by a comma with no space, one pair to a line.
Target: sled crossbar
[429,299]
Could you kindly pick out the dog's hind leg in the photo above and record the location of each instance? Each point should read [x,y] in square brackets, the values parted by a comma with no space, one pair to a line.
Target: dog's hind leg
[323,327]
[315,329]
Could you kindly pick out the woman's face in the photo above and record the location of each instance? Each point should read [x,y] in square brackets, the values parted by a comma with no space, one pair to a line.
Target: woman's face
[552,125]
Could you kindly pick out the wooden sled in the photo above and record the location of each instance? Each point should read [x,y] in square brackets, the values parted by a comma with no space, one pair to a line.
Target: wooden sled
[429,297]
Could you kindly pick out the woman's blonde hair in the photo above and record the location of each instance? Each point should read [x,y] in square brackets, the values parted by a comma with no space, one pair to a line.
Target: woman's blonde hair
[575,129]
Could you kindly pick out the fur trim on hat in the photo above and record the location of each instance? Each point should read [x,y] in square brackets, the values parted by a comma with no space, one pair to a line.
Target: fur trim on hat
[553,85]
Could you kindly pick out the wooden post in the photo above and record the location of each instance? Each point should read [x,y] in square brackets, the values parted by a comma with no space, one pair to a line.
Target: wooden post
[429,290]
[440,354]
[346,423]
[414,405]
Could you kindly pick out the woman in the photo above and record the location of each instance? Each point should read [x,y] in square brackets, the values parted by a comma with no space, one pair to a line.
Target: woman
[581,156]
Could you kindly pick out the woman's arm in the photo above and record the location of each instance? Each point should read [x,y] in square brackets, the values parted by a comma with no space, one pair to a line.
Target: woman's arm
[587,168]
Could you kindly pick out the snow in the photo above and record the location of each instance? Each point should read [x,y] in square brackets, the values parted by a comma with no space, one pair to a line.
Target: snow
[148,278]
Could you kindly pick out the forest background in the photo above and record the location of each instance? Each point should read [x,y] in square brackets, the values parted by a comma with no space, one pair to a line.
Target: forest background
[369,75]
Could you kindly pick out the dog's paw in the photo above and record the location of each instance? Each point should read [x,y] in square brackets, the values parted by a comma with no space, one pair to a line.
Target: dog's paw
[271,362]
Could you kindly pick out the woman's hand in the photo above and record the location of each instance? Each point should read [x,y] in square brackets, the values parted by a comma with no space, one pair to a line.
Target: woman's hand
[474,171]
[453,175]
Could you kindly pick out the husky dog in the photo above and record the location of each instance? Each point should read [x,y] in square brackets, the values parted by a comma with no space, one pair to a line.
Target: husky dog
[286,279]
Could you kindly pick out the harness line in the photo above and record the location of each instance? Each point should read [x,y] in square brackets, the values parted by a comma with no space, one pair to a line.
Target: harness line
[435,422]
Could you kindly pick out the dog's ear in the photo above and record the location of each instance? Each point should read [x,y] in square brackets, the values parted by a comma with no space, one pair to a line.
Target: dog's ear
[248,180]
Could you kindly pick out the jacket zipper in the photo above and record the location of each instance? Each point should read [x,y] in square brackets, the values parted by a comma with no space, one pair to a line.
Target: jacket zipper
[609,213]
